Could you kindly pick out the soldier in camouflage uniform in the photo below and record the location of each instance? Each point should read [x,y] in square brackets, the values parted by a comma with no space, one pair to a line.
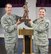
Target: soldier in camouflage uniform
[9,23]
[41,33]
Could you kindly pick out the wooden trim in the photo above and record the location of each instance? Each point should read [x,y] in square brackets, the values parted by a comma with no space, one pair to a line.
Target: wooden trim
[31,45]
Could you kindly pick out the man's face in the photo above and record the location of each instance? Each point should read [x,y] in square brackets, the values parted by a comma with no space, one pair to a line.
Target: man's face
[41,13]
[8,8]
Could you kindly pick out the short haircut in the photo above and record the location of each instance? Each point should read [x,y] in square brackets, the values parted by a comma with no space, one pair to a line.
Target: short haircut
[42,8]
[7,4]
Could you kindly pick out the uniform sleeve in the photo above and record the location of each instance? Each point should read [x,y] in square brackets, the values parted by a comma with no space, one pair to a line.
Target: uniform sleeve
[6,26]
[48,29]
[33,24]
[42,29]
